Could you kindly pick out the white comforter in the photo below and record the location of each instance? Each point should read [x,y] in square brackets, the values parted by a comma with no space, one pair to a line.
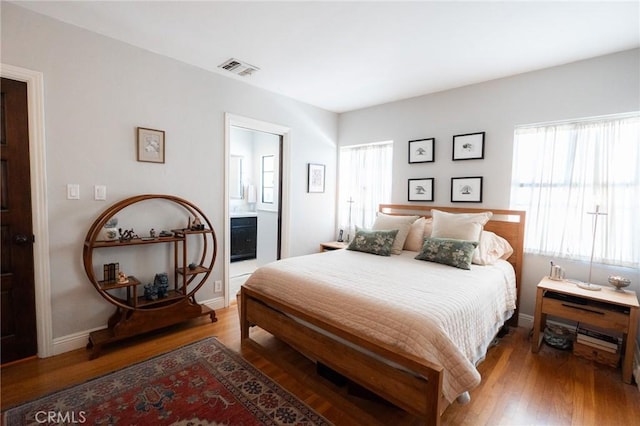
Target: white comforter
[445,315]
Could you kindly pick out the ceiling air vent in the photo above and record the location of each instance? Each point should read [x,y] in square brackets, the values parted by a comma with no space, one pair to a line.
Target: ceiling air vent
[238,67]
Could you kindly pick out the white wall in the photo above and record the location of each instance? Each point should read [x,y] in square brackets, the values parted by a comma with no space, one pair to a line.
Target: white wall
[603,85]
[97,91]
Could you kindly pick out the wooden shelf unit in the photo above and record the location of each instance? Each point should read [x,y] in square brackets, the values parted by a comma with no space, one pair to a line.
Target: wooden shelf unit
[135,314]
[608,308]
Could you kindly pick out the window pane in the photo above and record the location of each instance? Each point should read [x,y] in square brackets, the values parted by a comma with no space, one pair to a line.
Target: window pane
[365,183]
[561,172]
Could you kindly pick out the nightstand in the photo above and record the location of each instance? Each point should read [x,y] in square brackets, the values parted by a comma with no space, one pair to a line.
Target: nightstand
[607,308]
[333,245]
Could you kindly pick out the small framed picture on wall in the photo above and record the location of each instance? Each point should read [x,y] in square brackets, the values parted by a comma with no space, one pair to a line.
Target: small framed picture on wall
[466,189]
[468,147]
[315,178]
[420,189]
[150,145]
[422,151]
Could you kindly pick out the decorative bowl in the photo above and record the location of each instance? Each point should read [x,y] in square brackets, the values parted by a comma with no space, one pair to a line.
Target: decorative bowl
[619,282]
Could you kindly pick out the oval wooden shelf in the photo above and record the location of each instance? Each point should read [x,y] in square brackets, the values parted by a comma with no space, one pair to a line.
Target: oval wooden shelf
[135,314]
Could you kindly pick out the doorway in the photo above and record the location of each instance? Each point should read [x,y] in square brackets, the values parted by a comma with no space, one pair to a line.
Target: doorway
[256,220]
[19,338]
[38,191]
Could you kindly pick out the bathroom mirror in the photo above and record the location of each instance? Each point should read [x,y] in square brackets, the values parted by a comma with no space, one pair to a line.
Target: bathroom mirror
[235,177]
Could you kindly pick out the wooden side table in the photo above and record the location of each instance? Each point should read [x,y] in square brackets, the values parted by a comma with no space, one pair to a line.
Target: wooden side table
[607,308]
[333,245]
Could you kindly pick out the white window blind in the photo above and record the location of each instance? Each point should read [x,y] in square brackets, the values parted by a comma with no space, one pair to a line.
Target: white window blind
[562,171]
[365,183]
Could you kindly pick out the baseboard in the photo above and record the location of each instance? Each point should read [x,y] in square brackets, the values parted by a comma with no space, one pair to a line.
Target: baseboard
[525,321]
[80,339]
[73,341]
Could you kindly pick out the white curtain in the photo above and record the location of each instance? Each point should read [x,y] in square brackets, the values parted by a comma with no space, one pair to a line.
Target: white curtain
[365,183]
[564,171]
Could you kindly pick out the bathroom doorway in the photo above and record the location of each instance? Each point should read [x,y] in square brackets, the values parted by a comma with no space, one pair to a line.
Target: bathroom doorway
[255,219]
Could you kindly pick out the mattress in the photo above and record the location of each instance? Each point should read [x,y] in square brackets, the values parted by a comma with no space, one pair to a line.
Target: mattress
[445,315]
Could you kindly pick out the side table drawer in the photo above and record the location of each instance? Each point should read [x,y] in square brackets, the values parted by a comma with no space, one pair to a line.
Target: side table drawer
[590,314]
[597,355]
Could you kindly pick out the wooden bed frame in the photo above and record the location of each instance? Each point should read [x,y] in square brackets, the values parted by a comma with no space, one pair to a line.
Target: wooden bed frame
[415,387]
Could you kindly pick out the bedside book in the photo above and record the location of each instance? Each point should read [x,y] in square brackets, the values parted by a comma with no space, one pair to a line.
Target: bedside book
[597,335]
[598,344]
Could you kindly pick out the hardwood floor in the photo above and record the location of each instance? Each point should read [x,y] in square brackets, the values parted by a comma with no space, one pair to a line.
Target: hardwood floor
[518,388]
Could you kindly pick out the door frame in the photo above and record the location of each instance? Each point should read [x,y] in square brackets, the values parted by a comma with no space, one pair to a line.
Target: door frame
[39,207]
[261,126]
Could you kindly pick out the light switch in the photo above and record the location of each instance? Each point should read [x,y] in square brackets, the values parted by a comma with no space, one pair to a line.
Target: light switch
[99,192]
[73,191]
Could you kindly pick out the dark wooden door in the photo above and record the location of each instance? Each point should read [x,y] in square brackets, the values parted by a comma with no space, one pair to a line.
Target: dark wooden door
[18,314]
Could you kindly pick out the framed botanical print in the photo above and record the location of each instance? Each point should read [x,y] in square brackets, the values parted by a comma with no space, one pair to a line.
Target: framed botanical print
[468,147]
[422,151]
[466,189]
[315,178]
[150,145]
[420,189]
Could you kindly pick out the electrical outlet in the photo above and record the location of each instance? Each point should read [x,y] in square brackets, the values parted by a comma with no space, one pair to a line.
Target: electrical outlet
[217,286]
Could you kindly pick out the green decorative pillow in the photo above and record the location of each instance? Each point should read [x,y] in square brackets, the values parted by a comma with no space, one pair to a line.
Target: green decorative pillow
[447,251]
[375,242]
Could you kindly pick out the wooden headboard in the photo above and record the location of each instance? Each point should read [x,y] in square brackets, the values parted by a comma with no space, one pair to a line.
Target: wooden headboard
[509,224]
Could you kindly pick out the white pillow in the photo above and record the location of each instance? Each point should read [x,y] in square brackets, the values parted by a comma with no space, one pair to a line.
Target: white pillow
[420,229]
[491,248]
[401,223]
[460,226]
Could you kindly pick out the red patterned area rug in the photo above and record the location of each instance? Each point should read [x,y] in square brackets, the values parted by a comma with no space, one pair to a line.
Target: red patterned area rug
[203,383]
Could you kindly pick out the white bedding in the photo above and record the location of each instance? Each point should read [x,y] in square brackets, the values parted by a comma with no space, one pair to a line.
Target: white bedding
[445,315]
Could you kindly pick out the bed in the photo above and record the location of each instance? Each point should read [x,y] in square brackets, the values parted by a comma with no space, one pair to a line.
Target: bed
[410,331]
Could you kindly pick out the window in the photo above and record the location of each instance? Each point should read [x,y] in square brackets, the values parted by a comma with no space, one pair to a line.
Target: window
[268,178]
[365,183]
[562,171]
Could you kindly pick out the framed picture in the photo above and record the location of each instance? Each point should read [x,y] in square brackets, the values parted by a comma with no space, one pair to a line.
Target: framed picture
[150,145]
[316,178]
[468,147]
[466,190]
[422,151]
[421,189]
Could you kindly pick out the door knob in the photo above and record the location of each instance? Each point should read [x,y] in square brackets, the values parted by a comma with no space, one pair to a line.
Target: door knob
[22,239]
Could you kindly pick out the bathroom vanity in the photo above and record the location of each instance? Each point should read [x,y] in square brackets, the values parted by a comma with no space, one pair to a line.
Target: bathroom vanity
[244,230]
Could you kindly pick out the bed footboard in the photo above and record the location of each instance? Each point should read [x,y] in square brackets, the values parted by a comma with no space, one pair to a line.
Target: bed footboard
[406,381]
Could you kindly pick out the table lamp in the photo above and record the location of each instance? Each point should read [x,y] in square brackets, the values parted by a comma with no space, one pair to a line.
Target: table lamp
[588,285]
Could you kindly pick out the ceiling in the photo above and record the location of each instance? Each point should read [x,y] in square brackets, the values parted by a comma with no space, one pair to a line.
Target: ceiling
[342,56]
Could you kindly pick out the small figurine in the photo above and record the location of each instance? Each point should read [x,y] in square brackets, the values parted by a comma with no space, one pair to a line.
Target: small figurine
[152,233]
[161,284]
[192,266]
[122,278]
[150,292]
[196,225]
[127,235]
[164,234]
[110,230]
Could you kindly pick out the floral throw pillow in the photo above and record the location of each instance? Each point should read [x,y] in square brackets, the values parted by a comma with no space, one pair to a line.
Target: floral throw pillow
[447,251]
[374,242]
